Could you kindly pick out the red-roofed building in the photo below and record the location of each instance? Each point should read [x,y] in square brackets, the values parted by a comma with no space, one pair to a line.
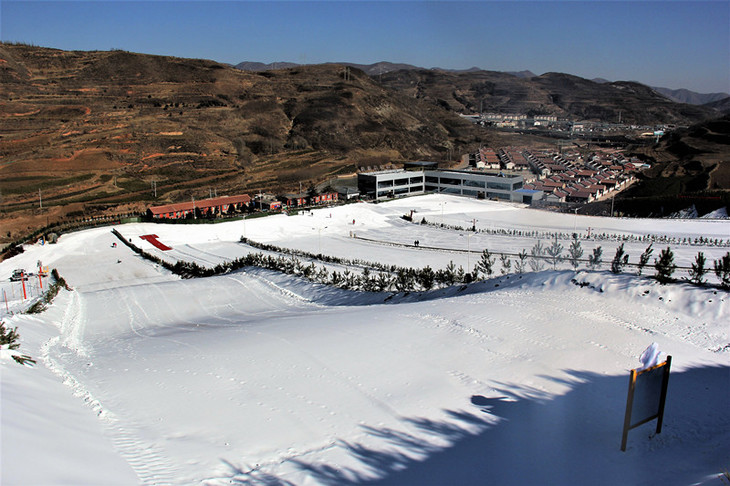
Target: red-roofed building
[205,207]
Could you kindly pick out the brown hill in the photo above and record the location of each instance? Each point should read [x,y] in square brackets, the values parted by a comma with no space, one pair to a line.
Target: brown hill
[690,167]
[557,94]
[699,155]
[99,128]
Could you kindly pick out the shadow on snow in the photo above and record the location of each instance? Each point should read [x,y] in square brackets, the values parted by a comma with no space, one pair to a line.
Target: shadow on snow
[523,436]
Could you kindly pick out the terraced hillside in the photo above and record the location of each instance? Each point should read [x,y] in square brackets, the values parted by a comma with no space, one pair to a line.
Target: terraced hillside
[91,130]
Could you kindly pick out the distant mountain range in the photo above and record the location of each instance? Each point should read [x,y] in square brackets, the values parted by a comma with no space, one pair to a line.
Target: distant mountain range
[378,68]
[687,96]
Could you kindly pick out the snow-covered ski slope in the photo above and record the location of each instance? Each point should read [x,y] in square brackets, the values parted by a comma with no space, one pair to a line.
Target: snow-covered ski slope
[256,377]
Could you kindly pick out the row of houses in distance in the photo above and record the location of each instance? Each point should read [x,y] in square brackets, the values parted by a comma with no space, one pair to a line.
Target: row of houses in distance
[572,178]
[520,121]
[511,174]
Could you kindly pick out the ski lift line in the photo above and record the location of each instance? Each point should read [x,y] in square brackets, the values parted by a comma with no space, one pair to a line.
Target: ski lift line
[311,259]
[497,253]
[567,236]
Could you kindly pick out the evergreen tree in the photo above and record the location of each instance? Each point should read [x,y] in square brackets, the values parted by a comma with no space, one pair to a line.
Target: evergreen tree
[665,266]
[506,264]
[365,283]
[644,258]
[575,252]
[521,263]
[426,278]
[402,280]
[485,264]
[536,253]
[698,270]
[460,275]
[595,260]
[554,252]
[620,260]
[347,280]
[722,270]
[450,273]
[383,281]
[9,337]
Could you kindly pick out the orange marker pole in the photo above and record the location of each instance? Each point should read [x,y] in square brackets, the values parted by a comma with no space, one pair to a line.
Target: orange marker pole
[22,279]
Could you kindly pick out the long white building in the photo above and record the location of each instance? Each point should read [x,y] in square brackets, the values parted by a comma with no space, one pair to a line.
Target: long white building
[393,183]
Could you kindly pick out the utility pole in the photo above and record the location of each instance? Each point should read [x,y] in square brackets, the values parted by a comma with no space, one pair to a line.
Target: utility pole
[468,252]
[195,216]
[612,196]
[40,199]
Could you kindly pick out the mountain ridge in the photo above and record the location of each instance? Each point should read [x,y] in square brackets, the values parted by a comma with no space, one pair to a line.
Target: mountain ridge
[681,95]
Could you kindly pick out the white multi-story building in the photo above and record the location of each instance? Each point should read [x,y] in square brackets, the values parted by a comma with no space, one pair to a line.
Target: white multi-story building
[402,182]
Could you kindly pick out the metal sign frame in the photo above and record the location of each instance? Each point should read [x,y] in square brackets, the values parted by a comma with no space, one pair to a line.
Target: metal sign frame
[644,384]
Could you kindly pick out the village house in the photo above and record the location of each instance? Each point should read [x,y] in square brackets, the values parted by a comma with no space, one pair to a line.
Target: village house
[267,202]
[324,198]
[295,200]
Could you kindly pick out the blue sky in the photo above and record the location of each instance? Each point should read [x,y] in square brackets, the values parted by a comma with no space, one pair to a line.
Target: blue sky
[674,44]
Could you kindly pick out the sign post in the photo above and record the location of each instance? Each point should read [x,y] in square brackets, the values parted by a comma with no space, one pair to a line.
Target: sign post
[646,398]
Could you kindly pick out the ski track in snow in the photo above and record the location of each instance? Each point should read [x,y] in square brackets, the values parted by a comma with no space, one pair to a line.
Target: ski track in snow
[147,462]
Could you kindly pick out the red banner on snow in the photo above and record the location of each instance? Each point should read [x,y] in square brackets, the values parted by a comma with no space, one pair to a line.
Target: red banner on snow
[153,239]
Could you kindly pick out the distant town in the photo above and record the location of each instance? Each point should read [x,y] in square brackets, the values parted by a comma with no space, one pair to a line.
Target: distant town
[551,125]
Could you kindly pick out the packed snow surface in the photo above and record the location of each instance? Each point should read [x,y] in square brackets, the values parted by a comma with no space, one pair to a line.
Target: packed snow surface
[256,377]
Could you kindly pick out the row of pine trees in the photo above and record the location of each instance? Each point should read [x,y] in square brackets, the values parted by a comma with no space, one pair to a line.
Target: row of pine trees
[377,277]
